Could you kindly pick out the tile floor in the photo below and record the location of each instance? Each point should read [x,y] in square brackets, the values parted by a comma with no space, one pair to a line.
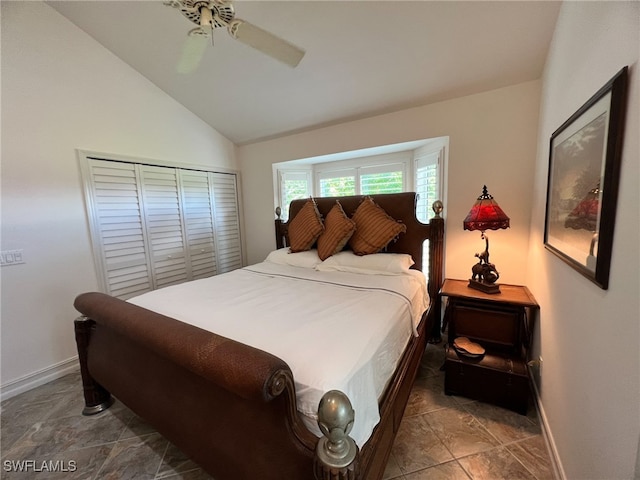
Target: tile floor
[440,437]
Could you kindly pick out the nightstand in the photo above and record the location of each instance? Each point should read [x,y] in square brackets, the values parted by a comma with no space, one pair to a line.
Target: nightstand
[501,323]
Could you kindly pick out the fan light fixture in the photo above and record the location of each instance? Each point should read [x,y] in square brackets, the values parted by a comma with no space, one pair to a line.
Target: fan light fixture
[485,214]
[220,13]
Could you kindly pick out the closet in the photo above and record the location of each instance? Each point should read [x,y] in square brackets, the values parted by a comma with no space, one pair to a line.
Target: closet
[154,226]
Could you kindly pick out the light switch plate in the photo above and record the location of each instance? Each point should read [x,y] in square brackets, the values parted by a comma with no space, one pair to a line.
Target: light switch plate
[11,257]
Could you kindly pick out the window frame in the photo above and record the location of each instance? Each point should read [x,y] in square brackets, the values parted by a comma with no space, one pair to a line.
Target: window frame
[375,163]
[328,166]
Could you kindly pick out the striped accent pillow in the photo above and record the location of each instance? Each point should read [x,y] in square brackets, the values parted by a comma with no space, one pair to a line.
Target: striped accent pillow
[374,228]
[338,229]
[305,227]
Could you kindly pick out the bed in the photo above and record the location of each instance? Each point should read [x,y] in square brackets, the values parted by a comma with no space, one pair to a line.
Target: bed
[238,408]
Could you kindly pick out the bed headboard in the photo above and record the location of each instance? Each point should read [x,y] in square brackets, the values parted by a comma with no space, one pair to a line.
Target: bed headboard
[402,207]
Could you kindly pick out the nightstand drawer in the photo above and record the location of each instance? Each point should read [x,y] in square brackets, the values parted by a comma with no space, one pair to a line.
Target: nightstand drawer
[494,327]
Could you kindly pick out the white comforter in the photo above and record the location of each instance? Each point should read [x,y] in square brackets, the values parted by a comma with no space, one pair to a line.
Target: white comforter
[335,330]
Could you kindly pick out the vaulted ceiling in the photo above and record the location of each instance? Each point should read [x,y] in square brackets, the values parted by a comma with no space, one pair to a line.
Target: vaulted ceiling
[362,57]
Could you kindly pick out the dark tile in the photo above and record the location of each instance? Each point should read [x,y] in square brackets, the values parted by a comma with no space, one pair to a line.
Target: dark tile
[507,426]
[496,464]
[9,435]
[393,469]
[174,461]
[460,432]
[534,455]
[197,474]
[416,446]
[432,361]
[30,407]
[134,458]
[446,471]
[136,427]
[70,405]
[63,434]
[427,395]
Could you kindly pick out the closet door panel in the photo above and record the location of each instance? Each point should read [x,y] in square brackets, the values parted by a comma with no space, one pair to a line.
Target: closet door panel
[198,221]
[163,219]
[227,221]
[120,235]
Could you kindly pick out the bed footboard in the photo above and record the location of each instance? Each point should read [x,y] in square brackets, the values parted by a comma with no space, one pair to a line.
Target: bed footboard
[210,396]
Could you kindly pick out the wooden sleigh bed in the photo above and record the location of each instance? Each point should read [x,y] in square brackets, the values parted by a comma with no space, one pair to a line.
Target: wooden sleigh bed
[232,407]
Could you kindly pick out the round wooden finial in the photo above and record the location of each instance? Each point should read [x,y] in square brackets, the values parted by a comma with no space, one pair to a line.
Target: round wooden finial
[278,212]
[437,208]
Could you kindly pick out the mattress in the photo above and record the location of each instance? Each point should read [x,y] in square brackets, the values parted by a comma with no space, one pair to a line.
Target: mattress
[335,330]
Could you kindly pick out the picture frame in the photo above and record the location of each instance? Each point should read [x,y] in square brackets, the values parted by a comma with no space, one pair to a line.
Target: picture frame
[582,184]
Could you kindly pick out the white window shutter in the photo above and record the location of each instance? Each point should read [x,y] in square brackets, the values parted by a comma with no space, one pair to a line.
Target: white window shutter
[427,179]
[227,221]
[163,219]
[197,202]
[118,228]
[292,185]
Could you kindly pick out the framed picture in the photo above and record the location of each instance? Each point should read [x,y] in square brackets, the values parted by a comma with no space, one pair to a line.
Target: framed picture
[582,188]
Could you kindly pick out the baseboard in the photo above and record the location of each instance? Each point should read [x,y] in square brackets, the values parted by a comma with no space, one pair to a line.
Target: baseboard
[35,379]
[558,471]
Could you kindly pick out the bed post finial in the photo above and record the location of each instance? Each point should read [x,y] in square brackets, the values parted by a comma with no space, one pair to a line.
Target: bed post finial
[278,212]
[336,452]
[437,208]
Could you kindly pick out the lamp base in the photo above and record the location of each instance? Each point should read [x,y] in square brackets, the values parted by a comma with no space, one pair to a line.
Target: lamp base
[484,287]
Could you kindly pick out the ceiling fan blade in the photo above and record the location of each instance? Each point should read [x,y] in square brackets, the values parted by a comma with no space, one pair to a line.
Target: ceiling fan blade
[193,51]
[266,42]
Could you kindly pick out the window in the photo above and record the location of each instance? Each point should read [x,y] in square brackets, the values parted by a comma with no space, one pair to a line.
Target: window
[427,180]
[292,186]
[366,179]
[381,179]
[413,166]
[427,183]
[337,183]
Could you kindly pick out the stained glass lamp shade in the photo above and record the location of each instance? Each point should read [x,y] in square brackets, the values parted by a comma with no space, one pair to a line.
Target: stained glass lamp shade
[486,214]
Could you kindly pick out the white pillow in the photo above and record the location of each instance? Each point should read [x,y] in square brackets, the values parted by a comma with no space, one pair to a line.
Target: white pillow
[282,256]
[377,263]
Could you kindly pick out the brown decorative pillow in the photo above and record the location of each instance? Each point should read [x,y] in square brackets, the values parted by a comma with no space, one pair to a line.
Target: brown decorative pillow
[374,228]
[338,229]
[305,227]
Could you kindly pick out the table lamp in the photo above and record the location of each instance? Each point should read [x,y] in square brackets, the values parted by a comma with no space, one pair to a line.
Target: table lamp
[485,214]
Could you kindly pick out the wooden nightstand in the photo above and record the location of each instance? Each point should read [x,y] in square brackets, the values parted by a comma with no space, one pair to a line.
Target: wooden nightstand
[502,324]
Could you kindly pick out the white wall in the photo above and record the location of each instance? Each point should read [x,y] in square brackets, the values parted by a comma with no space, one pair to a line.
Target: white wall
[492,141]
[62,91]
[590,338]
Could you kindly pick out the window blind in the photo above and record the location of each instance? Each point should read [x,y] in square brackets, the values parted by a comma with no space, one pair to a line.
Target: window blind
[427,180]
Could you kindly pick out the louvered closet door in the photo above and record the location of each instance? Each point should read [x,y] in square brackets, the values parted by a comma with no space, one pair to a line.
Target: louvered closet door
[198,222]
[119,223]
[227,221]
[163,218]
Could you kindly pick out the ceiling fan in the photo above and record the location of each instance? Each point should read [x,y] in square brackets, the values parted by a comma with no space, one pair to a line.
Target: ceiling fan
[210,14]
